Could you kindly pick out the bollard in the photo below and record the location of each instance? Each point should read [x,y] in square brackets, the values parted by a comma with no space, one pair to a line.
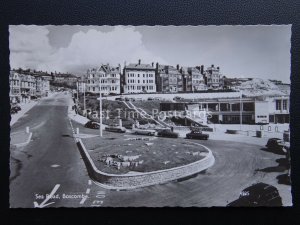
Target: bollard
[269,128]
[77,130]
[27,130]
[276,129]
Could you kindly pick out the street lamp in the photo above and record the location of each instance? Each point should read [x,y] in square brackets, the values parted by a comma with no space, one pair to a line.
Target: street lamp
[241,108]
[84,106]
[100,108]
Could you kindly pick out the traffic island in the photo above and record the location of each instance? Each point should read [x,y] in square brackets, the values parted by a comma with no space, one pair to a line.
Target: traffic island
[129,162]
[20,138]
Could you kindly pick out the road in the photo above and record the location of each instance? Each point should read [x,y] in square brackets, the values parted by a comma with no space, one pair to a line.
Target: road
[50,158]
[52,144]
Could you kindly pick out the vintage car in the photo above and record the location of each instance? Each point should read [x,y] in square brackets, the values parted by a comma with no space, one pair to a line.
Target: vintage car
[197,134]
[276,145]
[92,125]
[143,131]
[117,129]
[259,194]
[167,133]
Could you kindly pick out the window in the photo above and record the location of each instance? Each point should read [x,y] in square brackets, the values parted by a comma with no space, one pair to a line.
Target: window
[284,104]
[278,104]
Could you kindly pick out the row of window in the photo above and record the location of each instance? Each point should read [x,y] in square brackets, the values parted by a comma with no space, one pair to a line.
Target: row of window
[138,75]
[102,75]
[112,88]
[131,81]
[281,104]
[131,87]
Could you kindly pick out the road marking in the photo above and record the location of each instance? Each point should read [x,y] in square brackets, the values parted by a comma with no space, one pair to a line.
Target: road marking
[90,182]
[44,204]
[83,200]
[55,165]
[88,191]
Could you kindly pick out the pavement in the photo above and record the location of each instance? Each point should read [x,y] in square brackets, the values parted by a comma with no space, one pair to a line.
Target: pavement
[51,163]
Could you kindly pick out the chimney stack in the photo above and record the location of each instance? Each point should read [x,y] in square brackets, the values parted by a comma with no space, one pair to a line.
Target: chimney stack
[152,64]
[202,69]
[177,67]
[139,62]
[157,65]
[212,65]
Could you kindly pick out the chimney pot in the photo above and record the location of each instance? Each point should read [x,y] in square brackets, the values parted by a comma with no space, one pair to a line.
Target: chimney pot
[139,62]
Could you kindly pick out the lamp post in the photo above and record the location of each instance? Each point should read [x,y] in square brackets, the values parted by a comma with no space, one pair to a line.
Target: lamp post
[100,108]
[241,108]
[84,106]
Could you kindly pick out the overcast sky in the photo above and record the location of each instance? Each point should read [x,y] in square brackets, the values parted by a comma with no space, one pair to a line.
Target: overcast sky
[240,51]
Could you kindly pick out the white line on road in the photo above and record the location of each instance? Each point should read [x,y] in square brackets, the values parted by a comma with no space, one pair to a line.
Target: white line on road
[88,191]
[90,182]
[83,199]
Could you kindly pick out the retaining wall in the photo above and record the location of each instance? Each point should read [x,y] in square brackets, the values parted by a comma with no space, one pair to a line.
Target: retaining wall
[130,181]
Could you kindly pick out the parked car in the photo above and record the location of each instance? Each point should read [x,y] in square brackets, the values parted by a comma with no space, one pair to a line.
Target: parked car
[197,135]
[150,99]
[92,125]
[13,111]
[177,98]
[167,133]
[120,99]
[16,108]
[117,129]
[276,145]
[259,194]
[143,131]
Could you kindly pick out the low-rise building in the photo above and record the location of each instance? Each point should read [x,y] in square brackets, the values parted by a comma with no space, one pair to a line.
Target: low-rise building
[168,79]
[139,78]
[231,107]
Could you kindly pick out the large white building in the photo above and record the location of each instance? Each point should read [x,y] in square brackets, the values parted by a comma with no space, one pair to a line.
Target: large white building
[109,78]
[139,78]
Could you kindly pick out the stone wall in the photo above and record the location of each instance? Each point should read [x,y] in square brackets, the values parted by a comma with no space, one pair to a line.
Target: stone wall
[130,181]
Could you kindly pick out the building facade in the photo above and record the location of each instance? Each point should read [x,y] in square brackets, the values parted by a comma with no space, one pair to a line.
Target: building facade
[42,87]
[109,78]
[139,78]
[15,87]
[213,78]
[168,79]
[252,110]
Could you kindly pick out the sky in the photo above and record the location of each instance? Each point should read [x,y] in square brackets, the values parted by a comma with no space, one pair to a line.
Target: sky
[240,51]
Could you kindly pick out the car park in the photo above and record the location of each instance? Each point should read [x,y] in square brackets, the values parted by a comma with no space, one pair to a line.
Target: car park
[167,133]
[276,145]
[117,129]
[92,125]
[197,135]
